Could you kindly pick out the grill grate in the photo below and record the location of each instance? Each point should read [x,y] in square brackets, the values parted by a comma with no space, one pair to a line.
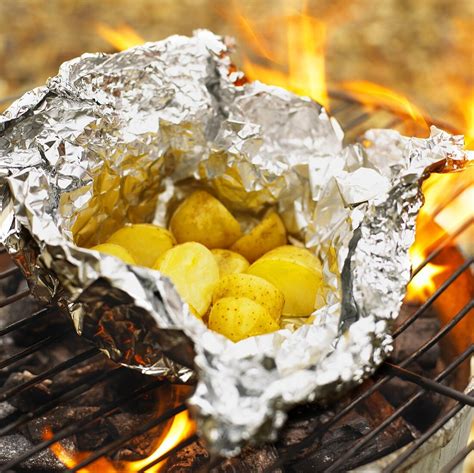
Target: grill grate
[353,117]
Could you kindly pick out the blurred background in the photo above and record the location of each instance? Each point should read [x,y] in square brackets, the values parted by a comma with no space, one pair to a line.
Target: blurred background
[414,56]
[422,49]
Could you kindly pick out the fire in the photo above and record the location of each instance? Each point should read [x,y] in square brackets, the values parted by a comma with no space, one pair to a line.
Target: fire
[181,428]
[376,96]
[304,68]
[467,111]
[423,283]
[122,37]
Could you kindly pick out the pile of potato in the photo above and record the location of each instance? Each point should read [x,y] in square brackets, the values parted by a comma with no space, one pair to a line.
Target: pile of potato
[240,285]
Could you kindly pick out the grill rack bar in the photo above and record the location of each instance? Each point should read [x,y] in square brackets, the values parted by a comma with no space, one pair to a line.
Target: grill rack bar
[77,426]
[321,430]
[115,444]
[427,383]
[458,458]
[419,352]
[48,373]
[26,321]
[409,402]
[443,244]
[33,348]
[358,120]
[421,440]
[70,393]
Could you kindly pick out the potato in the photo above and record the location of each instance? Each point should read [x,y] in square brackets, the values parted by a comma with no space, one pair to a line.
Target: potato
[115,250]
[202,218]
[194,271]
[252,287]
[268,234]
[239,317]
[298,275]
[229,262]
[144,241]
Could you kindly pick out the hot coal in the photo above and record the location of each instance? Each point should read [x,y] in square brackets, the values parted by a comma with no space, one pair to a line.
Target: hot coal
[398,391]
[331,443]
[302,423]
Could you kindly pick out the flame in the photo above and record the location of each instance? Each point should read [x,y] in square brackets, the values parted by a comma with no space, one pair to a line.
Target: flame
[376,96]
[181,428]
[467,110]
[436,222]
[295,56]
[122,37]
[423,284]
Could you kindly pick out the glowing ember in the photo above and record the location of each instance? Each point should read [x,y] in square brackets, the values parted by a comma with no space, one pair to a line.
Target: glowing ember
[181,428]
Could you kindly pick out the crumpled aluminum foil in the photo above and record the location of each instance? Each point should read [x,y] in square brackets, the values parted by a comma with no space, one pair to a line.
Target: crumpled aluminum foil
[124,137]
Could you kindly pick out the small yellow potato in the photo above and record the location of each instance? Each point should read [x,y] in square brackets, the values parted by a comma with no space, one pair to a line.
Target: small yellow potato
[239,317]
[144,241]
[115,250]
[202,218]
[229,262]
[252,287]
[298,275]
[194,271]
[268,234]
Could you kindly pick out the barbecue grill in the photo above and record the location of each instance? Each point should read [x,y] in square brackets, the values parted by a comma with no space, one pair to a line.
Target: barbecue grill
[354,119]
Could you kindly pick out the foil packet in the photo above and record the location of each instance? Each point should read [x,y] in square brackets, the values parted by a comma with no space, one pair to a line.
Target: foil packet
[122,138]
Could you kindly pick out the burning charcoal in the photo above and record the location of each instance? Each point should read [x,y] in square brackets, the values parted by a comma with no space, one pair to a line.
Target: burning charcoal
[12,446]
[418,333]
[61,417]
[139,447]
[251,460]
[34,396]
[194,457]
[342,435]
[92,438]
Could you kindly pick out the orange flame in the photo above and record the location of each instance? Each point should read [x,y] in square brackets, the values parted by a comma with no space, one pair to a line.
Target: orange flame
[122,37]
[467,111]
[423,284]
[305,72]
[437,221]
[181,428]
[376,96]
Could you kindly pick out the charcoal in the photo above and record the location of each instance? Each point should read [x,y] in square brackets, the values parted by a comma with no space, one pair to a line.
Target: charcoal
[93,437]
[139,447]
[251,460]
[335,441]
[303,420]
[9,285]
[416,335]
[61,417]
[34,396]
[194,457]
[12,446]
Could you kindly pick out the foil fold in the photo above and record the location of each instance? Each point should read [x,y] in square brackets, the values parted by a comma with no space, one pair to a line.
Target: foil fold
[124,137]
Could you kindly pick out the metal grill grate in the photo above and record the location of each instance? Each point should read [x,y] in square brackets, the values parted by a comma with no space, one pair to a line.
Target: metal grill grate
[353,118]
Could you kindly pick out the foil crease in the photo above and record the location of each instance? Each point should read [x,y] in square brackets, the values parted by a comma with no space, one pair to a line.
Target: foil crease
[124,137]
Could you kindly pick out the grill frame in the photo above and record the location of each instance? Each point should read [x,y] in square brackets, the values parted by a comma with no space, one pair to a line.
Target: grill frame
[354,118]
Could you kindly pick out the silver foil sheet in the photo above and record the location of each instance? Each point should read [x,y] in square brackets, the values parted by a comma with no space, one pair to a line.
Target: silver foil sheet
[124,137]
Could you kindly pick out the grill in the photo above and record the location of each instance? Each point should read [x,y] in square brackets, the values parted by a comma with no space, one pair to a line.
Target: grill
[354,119]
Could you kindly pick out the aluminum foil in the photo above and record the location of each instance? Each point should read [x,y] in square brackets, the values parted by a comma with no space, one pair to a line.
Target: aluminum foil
[124,137]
